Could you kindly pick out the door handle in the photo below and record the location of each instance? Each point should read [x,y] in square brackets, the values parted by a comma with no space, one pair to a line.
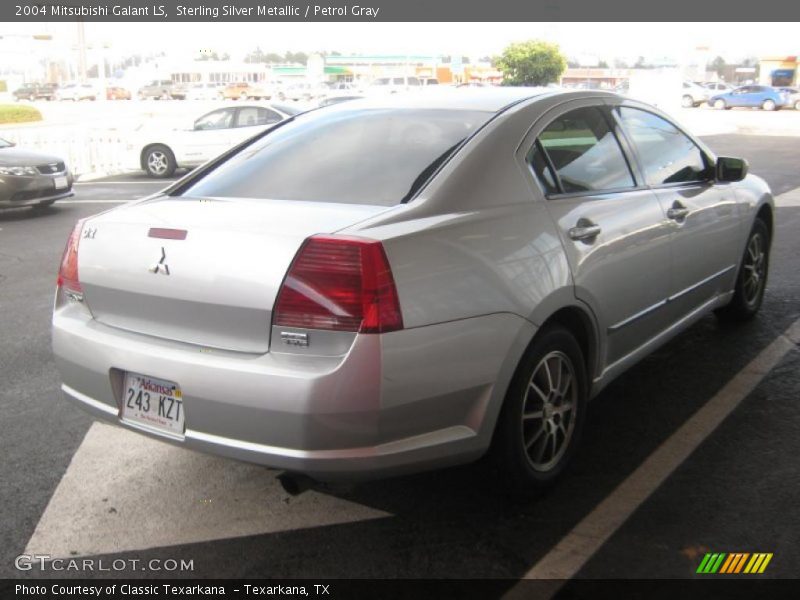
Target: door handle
[584,232]
[677,212]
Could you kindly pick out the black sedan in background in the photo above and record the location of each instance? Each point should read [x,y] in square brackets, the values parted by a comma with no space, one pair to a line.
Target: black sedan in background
[31,178]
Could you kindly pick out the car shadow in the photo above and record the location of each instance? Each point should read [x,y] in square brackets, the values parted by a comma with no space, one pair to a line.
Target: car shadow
[24,213]
[461,523]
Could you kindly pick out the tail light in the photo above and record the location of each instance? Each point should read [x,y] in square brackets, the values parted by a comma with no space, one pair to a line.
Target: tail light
[68,271]
[342,284]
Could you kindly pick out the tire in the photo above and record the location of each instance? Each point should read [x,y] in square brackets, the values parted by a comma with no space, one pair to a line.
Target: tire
[768,105]
[526,449]
[747,299]
[720,104]
[158,161]
[687,101]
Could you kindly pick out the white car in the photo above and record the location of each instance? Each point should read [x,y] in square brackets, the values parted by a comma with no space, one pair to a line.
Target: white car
[78,91]
[204,91]
[694,95]
[160,151]
[392,85]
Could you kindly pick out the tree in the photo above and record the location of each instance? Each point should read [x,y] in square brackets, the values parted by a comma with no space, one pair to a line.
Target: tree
[533,62]
[718,65]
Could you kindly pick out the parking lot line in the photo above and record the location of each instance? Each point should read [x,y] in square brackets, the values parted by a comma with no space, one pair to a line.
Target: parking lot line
[575,549]
[95,201]
[145,181]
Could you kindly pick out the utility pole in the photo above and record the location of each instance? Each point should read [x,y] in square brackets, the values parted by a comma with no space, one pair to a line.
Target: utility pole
[81,52]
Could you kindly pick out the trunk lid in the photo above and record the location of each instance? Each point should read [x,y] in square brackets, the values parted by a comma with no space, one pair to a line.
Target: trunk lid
[216,287]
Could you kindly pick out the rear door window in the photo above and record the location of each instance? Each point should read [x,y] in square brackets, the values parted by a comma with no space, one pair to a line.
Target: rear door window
[583,152]
[252,116]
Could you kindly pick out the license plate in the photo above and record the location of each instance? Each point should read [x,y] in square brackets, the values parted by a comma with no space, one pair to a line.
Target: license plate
[155,403]
[61,182]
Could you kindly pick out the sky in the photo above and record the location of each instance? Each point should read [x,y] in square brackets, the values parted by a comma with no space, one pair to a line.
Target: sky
[733,41]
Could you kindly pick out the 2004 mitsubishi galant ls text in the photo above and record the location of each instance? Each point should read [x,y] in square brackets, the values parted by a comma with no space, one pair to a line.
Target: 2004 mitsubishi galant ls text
[407,282]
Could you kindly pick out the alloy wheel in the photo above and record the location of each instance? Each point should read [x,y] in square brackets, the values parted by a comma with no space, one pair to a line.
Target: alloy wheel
[157,162]
[548,411]
[754,269]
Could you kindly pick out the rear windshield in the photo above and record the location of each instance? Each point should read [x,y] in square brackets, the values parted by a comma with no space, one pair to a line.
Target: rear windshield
[352,156]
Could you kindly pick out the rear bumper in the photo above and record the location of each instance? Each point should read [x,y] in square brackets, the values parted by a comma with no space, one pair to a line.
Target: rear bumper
[371,413]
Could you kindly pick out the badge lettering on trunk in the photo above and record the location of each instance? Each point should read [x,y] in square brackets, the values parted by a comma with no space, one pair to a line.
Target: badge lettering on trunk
[161,266]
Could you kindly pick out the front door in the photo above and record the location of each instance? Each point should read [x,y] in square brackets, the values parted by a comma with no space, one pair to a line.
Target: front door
[702,214]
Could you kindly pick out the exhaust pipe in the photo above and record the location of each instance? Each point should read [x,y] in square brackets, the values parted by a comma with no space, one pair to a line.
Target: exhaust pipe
[295,484]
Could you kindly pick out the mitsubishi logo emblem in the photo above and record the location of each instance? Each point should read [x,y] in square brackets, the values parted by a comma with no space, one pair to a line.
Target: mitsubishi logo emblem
[161,266]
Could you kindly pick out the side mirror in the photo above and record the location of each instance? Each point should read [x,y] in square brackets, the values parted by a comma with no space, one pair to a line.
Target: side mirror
[731,169]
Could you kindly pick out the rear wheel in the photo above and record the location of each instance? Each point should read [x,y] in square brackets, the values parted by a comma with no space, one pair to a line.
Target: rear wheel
[687,101]
[769,105]
[752,280]
[543,413]
[159,161]
[797,105]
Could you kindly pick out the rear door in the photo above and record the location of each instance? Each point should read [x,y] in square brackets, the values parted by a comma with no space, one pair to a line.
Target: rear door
[612,227]
[702,214]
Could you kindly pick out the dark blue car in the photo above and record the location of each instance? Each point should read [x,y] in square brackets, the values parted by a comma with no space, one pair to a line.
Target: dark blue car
[752,96]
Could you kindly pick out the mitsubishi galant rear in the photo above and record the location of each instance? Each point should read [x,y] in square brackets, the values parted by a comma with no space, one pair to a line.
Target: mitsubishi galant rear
[404,283]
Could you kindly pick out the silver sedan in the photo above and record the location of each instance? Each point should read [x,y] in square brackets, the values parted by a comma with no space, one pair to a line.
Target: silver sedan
[408,282]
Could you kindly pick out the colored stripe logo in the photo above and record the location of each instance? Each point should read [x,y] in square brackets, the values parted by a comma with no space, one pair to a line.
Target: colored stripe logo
[734,563]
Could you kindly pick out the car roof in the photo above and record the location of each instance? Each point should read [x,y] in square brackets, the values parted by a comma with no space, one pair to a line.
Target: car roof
[491,99]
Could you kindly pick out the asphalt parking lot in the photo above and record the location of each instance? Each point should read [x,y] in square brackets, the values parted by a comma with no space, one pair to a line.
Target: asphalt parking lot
[69,487]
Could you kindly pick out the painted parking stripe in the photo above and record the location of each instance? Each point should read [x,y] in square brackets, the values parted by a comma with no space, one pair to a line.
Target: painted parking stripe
[94,201]
[145,181]
[124,491]
[788,199]
[575,549]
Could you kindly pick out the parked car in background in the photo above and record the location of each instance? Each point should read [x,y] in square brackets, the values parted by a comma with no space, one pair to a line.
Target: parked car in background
[160,151]
[247,91]
[115,92]
[77,92]
[204,91]
[160,89]
[392,85]
[794,96]
[300,90]
[29,178]
[694,95]
[751,96]
[36,91]
[408,283]
[718,86]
